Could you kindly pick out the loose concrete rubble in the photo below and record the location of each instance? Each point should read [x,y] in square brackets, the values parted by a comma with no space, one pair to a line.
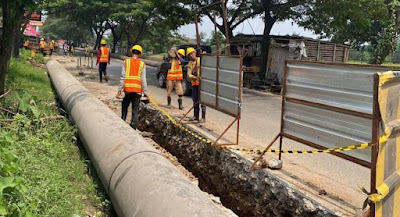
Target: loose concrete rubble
[275,164]
[226,174]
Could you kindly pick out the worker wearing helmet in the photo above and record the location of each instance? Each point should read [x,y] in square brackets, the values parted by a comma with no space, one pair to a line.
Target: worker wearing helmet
[194,76]
[42,46]
[175,76]
[133,84]
[26,44]
[103,57]
[51,46]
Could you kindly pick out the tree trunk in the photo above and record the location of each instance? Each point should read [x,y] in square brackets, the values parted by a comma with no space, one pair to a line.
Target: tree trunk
[6,41]
[116,39]
[98,40]
[17,40]
[268,23]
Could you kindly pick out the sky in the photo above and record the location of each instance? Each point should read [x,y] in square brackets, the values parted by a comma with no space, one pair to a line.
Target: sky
[287,27]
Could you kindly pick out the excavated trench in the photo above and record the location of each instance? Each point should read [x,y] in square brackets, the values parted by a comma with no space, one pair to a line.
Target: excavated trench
[226,174]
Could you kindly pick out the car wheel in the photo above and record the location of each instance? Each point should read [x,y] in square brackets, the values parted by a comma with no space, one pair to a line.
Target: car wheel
[161,80]
[186,87]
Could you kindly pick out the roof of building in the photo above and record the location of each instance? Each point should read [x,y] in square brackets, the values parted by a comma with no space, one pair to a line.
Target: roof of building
[246,38]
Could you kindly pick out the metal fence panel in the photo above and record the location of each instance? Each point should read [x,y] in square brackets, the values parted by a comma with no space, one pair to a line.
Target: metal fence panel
[330,105]
[344,86]
[327,128]
[229,83]
[388,162]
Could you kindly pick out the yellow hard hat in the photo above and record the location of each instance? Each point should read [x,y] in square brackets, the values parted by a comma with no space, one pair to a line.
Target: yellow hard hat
[52,41]
[189,50]
[181,52]
[103,41]
[42,39]
[138,48]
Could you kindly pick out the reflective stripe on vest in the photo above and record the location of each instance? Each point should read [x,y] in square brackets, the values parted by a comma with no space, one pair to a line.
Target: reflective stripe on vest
[104,55]
[175,73]
[133,72]
[197,66]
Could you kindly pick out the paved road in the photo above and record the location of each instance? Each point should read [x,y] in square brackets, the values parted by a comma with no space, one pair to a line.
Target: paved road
[260,123]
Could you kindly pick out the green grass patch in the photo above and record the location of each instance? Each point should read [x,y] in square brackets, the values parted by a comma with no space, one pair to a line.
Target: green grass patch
[366,62]
[51,174]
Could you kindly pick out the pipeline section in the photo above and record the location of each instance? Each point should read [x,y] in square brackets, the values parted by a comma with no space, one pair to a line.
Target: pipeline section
[139,181]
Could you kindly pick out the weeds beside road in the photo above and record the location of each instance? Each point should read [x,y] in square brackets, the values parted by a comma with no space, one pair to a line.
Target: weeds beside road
[43,170]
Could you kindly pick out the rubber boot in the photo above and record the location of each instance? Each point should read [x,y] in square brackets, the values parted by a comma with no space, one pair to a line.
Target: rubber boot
[203,115]
[180,104]
[123,116]
[169,102]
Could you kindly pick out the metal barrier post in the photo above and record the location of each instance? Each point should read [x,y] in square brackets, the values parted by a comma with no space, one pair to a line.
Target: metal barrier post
[375,140]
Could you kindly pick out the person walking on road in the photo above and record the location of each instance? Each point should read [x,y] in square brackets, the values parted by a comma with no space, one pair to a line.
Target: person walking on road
[133,83]
[42,46]
[194,76]
[103,57]
[175,76]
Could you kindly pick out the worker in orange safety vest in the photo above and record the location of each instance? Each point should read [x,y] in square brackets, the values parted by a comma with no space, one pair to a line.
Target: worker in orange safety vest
[133,83]
[175,76]
[51,47]
[103,57]
[42,46]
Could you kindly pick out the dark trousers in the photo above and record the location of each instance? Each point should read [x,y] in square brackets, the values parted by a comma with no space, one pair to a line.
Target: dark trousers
[43,52]
[51,52]
[102,70]
[196,104]
[129,98]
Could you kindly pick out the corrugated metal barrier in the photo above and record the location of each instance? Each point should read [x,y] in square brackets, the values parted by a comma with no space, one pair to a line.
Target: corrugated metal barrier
[330,105]
[220,87]
[387,198]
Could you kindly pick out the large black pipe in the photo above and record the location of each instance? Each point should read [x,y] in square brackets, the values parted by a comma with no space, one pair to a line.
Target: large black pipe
[138,179]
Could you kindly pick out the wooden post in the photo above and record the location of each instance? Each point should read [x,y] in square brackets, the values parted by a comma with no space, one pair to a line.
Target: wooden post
[318,51]
[334,53]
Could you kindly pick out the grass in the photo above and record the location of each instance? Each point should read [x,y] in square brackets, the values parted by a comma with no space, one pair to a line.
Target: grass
[366,62]
[53,167]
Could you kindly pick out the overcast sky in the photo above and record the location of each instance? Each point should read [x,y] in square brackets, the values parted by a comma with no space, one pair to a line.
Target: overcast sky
[280,28]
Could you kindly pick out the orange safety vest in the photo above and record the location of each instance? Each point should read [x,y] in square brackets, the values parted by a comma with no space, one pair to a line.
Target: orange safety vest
[42,44]
[51,45]
[104,55]
[133,73]
[175,73]
[197,82]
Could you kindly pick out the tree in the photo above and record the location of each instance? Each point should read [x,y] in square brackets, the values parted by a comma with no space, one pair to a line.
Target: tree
[66,29]
[12,13]
[238,11]
[144,19]
[92,14]
[356,22]
[271,11]
[212,42]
